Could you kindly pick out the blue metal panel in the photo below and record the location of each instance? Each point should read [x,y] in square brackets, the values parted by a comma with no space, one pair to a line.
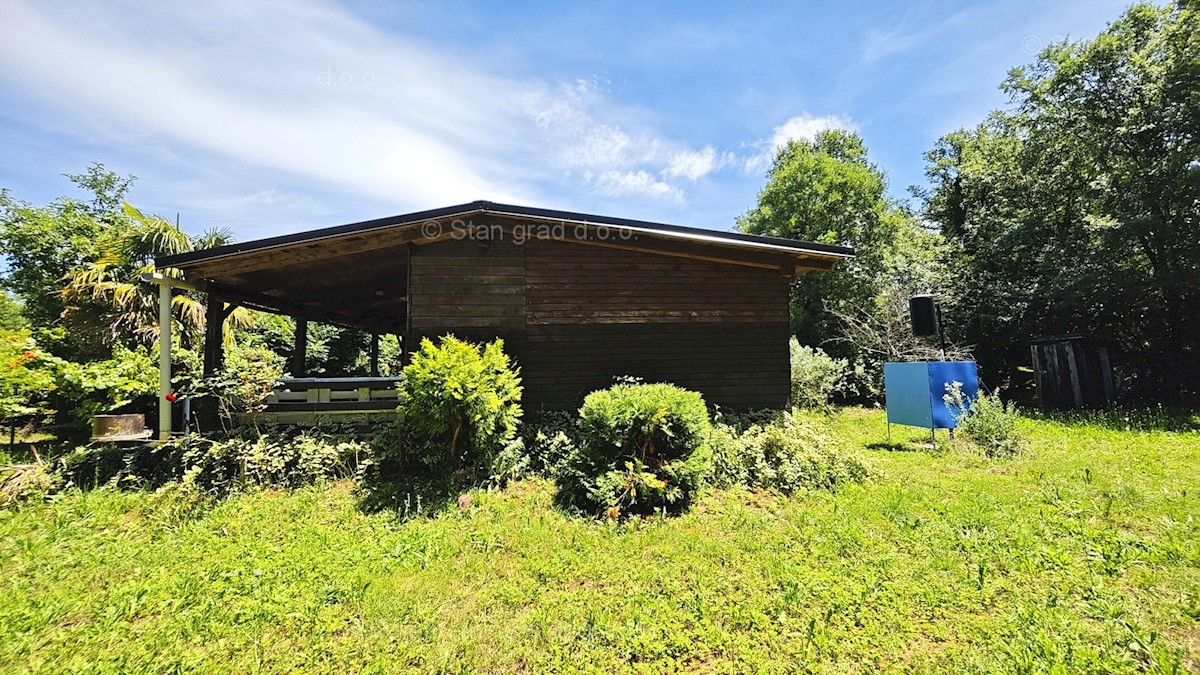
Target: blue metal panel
[943,374]
[906,387]
[915,391]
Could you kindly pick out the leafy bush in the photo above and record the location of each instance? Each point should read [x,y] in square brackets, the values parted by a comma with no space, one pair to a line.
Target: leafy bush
[740,420]
[643,447]
[249,376]
[789,455]
[26,377]
[988,421]
[126,381]
[461,402]
[816,376]
[548,440]
[218,466]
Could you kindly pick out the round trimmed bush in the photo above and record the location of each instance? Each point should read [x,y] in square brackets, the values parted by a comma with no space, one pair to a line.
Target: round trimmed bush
[643,448]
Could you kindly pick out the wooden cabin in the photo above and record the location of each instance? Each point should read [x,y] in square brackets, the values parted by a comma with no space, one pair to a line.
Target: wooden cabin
[579,299]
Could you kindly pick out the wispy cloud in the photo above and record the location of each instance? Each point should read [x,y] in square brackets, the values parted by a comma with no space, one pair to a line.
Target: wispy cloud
[799,127]
[692,165]
[331,99]
[623,183]
[909,33]
[307,89]
[609,147]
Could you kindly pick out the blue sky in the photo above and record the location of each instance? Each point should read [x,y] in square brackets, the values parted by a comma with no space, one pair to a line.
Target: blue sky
[274,117]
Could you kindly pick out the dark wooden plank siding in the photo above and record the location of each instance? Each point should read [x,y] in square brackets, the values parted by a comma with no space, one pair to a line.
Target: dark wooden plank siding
[573,284]
[738,365]
[473,289]
[575,316]
[594,313]
[468,284]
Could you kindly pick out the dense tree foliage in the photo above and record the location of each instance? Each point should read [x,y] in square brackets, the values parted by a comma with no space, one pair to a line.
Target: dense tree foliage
[826,190]
[12,317]
[78,327]
[1075,210]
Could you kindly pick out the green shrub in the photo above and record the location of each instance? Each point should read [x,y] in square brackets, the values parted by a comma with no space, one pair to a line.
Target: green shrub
[816,376]
[740,420]
[218,466]
[26,379]
[248,377]
[988,421]
[643,447]
[461,402]
[786,456]
[546,443]
[128,381]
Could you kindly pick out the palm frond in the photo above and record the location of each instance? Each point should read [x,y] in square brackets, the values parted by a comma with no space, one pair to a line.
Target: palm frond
[212,238]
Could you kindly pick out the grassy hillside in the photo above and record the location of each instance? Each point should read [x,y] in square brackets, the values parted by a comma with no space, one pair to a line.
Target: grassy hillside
[1082,555]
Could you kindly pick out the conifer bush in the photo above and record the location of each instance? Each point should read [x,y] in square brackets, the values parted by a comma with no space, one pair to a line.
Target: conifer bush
[461,403]
[643,448]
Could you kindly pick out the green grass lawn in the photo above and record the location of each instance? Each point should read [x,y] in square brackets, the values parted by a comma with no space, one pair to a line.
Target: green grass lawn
[1081,556]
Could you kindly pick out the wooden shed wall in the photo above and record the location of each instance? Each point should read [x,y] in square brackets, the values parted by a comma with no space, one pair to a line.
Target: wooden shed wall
[475,291]
[574,316]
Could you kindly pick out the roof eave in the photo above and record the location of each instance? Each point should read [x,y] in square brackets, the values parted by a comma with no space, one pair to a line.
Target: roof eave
[734,240]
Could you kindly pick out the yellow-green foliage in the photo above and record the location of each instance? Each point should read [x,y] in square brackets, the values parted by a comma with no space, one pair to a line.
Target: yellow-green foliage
[461,400]
[816,376]
[988,422]
[250,374]
[791,454]
[26,379]
[217,467]
[34,383]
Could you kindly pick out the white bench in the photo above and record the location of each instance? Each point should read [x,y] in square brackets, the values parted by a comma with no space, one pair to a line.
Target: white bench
[304,399]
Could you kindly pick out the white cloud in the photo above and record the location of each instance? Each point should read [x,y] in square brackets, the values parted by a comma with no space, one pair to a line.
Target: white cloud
[361,131]
[307,90]
[612,150]
[801,127]
[309,102]
[692,165]
[806,127]
[625,183]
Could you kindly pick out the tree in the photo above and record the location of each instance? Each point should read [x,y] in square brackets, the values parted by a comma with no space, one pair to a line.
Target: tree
[11,316]
[110,286]
[42,244]
[826,190]
[1076,209]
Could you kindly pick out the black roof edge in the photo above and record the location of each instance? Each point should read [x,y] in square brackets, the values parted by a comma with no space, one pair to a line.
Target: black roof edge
[498,209]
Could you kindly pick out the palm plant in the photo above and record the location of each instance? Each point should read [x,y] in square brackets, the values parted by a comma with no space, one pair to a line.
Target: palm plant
[113,280]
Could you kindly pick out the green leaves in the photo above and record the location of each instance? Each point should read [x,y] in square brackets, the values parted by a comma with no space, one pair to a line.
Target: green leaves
[1074,211]
[461,400]
[643,447]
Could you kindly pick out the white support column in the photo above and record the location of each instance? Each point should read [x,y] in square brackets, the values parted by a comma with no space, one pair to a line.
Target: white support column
[164,361]
[165,284]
